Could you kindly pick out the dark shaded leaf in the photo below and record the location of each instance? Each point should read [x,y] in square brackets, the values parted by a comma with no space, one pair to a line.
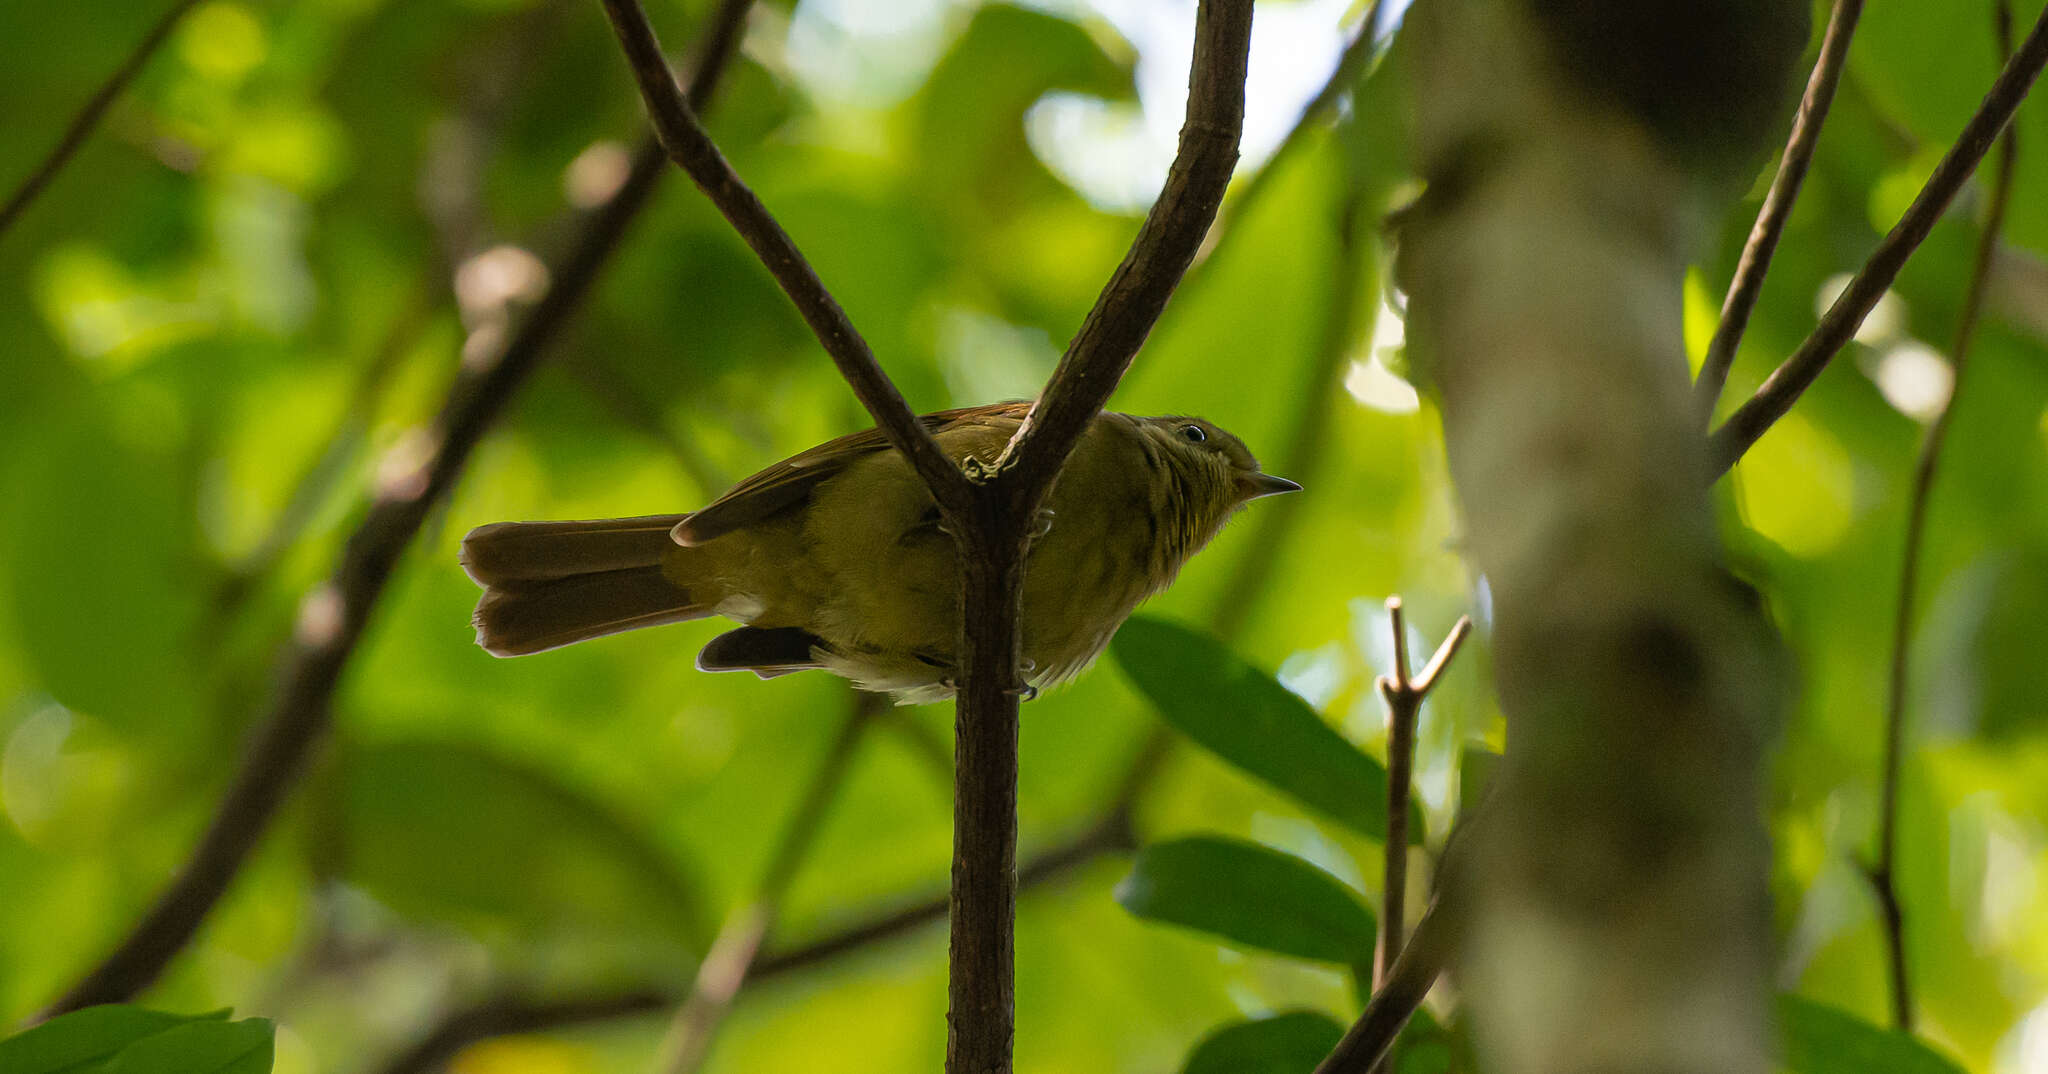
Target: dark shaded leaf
[201,1047]
[82,1039]
[1252,896]
[1246,717]
[1290,1043]
[1819,1039]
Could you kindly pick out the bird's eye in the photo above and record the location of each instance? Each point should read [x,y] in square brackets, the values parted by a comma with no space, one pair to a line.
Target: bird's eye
[1193,434]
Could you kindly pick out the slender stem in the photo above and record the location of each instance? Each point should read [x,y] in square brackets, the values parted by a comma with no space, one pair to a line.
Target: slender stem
[1755,262]
[334,615]
[1404,697]
[1882,874]
[1839,324]
[724,969]
[693,151]
[1404,704]
[90,114]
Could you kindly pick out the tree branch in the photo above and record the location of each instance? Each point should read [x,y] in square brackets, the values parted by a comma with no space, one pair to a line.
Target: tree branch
[1839,324]
[334,615]
[1755,262]
[1882,872]
[1404,697]
[1399,996]
[89,115]
[692,150]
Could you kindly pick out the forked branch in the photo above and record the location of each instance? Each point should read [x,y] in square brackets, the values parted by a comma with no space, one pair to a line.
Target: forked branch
[1838,326]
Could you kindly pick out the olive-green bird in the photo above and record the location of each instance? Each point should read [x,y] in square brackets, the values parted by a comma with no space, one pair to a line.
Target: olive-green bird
[834,558]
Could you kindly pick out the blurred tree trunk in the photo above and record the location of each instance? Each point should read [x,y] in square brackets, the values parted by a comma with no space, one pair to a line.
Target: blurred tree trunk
[1618,917]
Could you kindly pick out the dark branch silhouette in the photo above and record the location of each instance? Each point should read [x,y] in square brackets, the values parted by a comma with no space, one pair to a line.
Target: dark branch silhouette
[675,122]
[334,615]
[1755,263]
[990,509]
[1839,325]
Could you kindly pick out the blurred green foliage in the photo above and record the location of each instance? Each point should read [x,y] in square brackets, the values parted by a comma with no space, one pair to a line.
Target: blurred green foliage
[258,278]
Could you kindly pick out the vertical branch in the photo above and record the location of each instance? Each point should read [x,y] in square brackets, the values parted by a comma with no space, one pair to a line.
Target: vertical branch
[990,509]
[89,115]
[1755,262]
[1882,870]
[1404,697]
[334,615]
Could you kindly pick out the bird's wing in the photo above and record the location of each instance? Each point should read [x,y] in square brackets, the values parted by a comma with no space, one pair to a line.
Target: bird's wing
[791,481]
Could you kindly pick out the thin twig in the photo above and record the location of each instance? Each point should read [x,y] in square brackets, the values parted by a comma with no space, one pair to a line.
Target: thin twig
[334,615]
[1755,262]
[1882,876]
[692,150]
[726,965]
[1404,697]
[1839,324]
[88,117]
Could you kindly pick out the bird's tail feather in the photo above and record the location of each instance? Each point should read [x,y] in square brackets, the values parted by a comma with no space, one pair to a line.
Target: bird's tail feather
[548,584]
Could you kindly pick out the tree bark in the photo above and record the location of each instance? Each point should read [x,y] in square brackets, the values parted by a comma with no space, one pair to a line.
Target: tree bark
[1617,907]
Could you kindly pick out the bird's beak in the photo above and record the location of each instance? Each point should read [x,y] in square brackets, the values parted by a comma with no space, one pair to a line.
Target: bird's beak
[1254,485]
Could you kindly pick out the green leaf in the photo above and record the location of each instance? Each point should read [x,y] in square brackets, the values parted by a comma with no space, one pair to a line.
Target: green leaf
[70,1042]
[1252,896]
[1246,717]
[201,1047]
[119,1039]
[1279,1044]
[456,833]
[1819,1039]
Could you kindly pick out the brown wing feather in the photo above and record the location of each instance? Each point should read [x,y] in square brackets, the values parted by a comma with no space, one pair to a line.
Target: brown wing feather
[789,482]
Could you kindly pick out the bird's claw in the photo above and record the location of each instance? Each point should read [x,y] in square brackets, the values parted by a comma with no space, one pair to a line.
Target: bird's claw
[977,471]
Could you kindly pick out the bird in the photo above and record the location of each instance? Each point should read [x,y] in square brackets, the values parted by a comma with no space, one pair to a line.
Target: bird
[837,558]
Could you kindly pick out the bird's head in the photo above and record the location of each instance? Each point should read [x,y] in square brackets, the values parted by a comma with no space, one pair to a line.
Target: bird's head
[1211,474]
